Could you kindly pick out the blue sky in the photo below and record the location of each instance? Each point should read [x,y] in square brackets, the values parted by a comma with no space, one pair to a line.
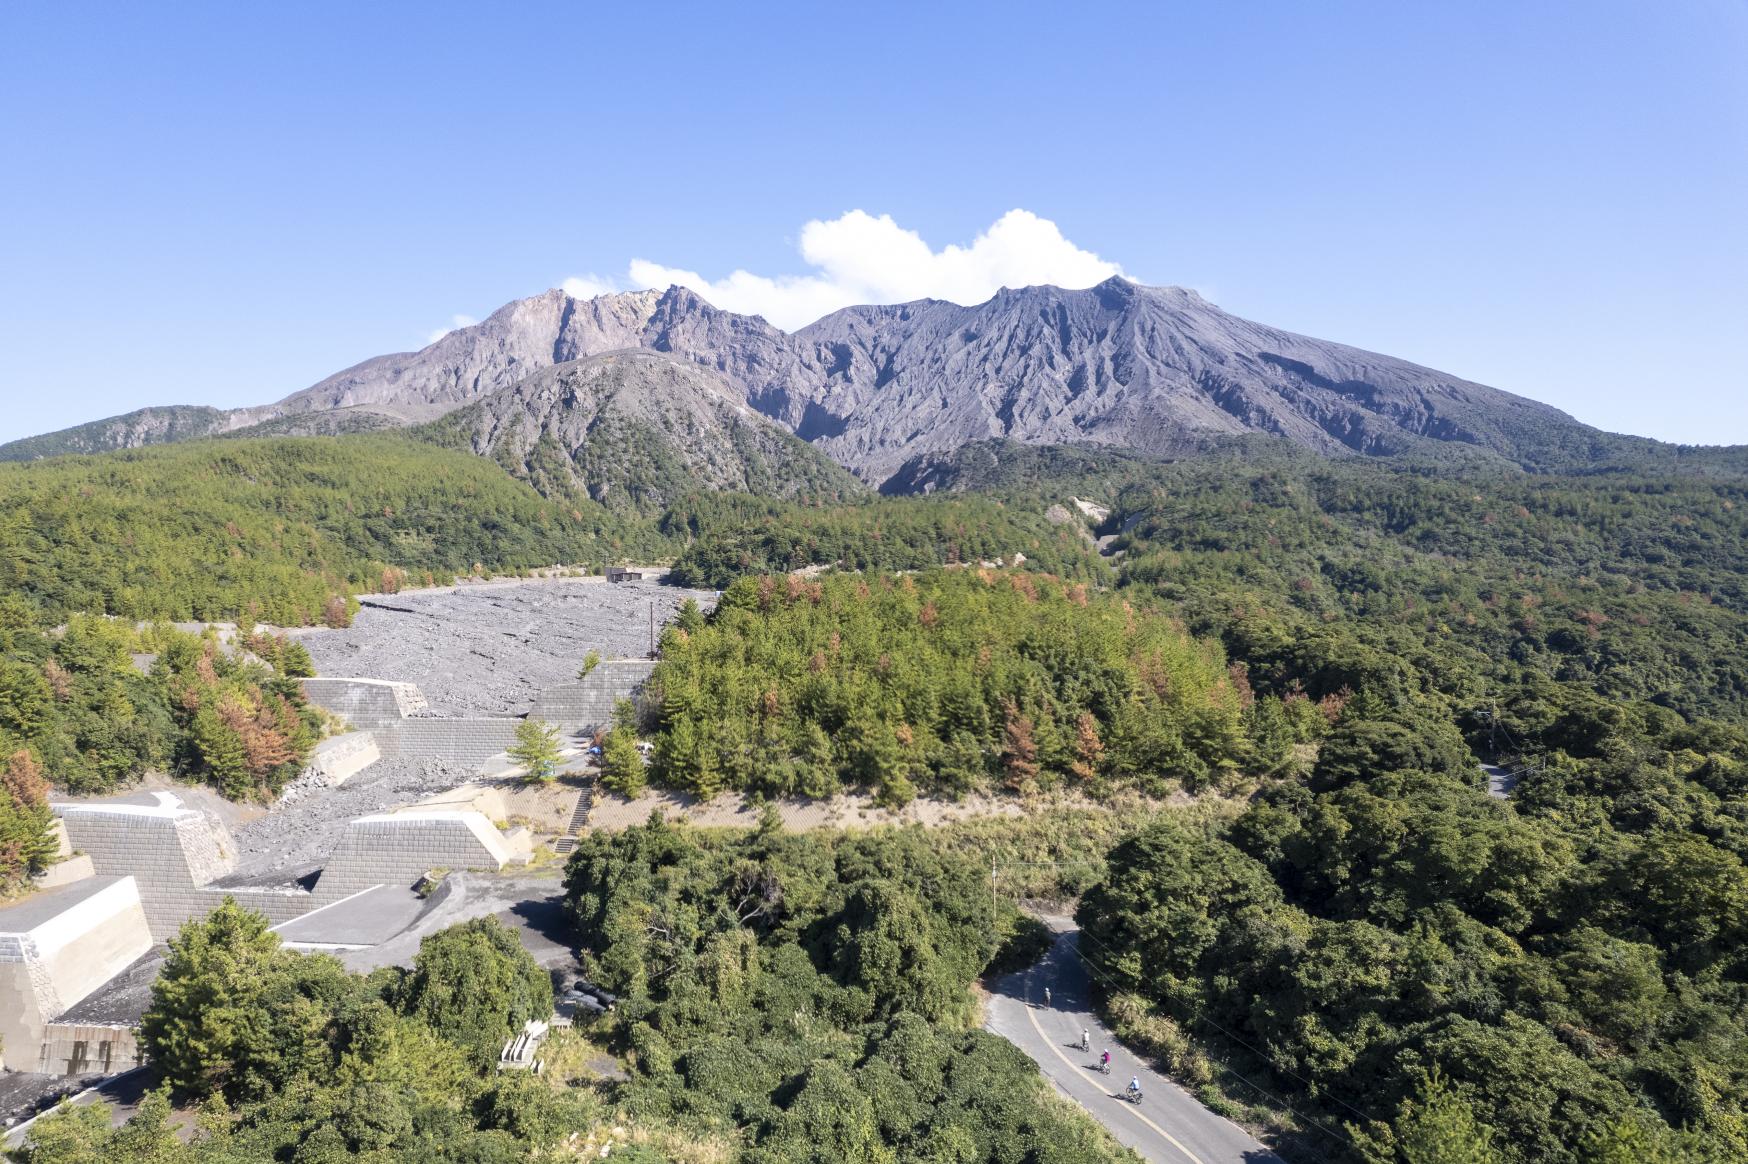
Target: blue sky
[224,203]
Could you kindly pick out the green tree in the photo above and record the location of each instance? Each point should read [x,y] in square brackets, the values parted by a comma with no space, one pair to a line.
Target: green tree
[591,660]
[1439,1128]
[476,986]
[622,767]
[234,1013]
[536,749]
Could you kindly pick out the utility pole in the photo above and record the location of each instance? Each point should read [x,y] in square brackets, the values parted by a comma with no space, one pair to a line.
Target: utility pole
[652,650]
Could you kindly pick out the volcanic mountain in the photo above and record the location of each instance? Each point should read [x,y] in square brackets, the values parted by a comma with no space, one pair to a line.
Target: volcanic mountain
[1153,369]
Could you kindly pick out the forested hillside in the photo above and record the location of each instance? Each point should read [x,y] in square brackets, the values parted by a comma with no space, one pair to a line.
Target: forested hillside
[100,702]
[729,536]
[946,681]
[276,529]
[1366,938]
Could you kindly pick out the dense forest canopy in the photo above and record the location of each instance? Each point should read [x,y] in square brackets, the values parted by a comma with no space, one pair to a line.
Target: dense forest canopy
[781,999]
[274,529]
[949,680]
[1367,936]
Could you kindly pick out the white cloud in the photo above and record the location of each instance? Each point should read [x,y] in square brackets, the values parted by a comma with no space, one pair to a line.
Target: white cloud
[455,321]
[858,258]
[587,286]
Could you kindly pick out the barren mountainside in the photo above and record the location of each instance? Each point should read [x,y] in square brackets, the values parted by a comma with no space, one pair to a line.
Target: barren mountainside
[1152,369]
[638,429]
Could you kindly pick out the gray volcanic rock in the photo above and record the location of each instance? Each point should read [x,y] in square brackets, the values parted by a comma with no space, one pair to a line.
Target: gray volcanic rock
[147,426]
[638,428]
[515,341]
[1152,369]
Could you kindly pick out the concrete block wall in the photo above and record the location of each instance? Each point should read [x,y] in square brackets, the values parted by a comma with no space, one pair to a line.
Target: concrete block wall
[587,703]
[466,741]
[399,848]
[168,851]
[338,759]
[366,703]
[280,905]
[89,1049]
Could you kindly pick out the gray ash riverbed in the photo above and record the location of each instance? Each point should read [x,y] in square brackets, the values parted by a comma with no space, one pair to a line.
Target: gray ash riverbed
[489,649]
[484,649]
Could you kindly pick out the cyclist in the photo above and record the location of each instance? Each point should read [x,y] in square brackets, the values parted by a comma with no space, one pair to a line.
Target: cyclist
[1085,1040]
[1134,1087]
[1105,1061]
[1046,998]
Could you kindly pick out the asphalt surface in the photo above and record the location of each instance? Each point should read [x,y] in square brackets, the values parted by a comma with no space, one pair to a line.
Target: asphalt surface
[1168,1126]
[1500,781]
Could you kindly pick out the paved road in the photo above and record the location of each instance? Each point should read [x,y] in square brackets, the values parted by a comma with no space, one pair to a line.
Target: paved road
[1168,1126]
[1500,781]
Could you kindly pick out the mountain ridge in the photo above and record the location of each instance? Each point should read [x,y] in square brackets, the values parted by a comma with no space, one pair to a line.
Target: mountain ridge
[1157,370]
[637,428]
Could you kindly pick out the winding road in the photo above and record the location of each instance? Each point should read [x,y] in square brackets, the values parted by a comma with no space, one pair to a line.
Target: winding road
[1168,1126]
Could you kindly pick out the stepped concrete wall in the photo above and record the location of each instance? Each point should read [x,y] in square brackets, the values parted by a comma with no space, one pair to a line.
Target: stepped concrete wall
[399,848]
[366,703]
[169,850]
[56,948]
[467,741]
[339,758]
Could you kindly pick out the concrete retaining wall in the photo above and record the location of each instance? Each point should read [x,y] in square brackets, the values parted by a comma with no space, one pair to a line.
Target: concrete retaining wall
[338,759]
[168,850]
[89,1049]
[399,848]
[586,704]
[366,703]
[57,948]
[465,741]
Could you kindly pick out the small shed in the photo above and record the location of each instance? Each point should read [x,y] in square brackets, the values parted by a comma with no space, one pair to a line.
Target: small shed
[621,574]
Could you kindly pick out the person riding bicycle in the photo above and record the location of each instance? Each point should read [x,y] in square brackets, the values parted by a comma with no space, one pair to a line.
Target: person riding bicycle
[1134,1085]
[1105,1060]
[1086,1040]
[1046,998]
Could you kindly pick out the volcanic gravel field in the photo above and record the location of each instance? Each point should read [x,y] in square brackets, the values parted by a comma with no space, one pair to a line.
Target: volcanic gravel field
[489,649]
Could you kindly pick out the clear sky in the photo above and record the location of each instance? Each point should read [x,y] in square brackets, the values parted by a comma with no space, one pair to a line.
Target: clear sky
[224,203]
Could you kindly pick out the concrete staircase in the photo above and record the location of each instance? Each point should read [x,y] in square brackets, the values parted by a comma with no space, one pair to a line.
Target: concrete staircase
[579,821]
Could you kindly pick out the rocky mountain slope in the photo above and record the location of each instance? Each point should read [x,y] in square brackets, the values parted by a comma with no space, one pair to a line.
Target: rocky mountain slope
[1152,369]
[145,426]
[637,429]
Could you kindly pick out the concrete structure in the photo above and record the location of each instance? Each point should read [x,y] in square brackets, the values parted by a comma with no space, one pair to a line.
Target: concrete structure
[367,918]
[621,574]
[397,848]
[467,741]
[586,704]
[339,758]
[168,849]
[366,703]
[58,947]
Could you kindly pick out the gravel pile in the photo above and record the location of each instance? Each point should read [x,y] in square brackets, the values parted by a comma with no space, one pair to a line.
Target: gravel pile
[491,649]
